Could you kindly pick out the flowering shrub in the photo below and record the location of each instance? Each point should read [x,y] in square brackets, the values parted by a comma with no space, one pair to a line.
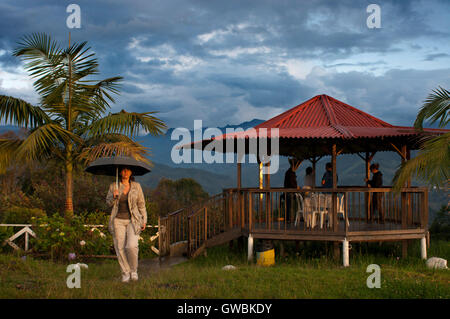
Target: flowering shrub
[63,240]
[59,238]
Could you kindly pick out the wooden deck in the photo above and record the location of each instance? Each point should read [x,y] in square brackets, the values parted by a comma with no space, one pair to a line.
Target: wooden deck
[357,231]
[261,214]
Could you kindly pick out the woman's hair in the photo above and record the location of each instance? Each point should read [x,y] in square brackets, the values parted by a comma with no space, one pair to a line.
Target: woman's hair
[374,166]
[309,170]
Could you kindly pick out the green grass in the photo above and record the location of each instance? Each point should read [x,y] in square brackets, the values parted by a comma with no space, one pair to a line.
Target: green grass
[311,273]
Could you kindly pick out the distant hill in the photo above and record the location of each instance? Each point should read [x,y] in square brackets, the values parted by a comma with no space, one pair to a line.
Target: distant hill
[161,147]
[208,180]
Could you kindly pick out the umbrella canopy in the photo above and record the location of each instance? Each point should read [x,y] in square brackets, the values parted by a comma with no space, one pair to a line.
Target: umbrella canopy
[110,165]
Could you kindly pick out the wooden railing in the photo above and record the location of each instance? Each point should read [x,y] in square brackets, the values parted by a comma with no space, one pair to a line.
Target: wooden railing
[198,223]
[324,212]
[172,229]
[343,210]
[208,221]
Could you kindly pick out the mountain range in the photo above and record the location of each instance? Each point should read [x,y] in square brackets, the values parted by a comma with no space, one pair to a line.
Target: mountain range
[216,176]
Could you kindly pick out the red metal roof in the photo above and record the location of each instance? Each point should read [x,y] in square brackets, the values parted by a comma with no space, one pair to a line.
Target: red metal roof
[325,117]
[323,111]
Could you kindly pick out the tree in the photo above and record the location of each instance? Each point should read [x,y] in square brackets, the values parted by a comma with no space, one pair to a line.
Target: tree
[171,195]
[432,163]
[70,121]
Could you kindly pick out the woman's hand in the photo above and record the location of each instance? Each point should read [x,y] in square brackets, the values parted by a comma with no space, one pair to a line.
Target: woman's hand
[143,227]
[116,193]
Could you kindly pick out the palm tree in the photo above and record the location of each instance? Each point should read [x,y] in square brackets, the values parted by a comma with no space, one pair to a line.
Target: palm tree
[70,120]
[432,164]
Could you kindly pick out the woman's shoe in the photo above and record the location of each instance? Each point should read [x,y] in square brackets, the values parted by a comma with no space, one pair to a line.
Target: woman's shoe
[126,277]
[134,276]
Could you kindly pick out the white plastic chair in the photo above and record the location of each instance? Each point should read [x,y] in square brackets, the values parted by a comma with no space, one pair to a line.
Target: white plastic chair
[340,210]
[318,208]
[300,208]
[324,207]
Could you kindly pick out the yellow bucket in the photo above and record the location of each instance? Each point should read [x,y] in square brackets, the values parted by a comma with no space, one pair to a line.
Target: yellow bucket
[265,258]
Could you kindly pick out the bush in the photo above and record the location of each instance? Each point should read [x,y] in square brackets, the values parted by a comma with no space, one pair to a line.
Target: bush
[58,238]
[5,233]
[20,215]
[96,218]
[440,228]
[170,195]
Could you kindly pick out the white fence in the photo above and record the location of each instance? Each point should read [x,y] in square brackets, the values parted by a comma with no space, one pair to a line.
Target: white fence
[27,232]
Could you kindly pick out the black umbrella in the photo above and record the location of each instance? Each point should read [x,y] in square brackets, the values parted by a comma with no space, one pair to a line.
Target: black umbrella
[110,166]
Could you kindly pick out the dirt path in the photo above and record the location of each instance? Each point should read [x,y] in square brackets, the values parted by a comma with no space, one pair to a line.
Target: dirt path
[154,264]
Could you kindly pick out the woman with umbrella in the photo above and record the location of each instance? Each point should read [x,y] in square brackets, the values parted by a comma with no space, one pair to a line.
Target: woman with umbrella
[129,215]
[128,219]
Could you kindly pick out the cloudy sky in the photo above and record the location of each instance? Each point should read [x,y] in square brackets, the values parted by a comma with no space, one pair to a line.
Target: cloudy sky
[228,61]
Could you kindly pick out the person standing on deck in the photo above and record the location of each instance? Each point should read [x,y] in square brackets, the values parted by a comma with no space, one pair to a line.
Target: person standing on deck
[327,179]
[376,181]
[290,181]
[309,178]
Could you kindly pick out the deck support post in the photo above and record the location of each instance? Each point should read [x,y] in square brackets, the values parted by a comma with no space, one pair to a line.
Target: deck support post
[345,253]
[367,195]
[314,161]
[267,176]
[404,207]
[250,248]
[336,250]
[423,247]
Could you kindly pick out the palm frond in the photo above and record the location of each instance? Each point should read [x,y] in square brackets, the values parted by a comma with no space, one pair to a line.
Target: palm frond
[42,140]
[122,148]
[435,108]
[21,113]
[108,138]
[127,123]
[92,100]
[41,53]
[432,163]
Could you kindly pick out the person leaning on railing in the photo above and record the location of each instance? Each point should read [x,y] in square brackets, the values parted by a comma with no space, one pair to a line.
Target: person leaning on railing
[375,182]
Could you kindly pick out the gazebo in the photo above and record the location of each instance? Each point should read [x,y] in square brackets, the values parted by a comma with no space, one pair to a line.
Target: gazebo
[321,126]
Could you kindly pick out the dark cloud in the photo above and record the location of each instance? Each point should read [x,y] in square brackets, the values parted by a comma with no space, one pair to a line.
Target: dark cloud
[225,61]
[394,97]
[432,57]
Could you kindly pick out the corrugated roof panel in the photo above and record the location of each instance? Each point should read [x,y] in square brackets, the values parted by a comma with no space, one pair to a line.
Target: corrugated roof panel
[323,110]
[325,117]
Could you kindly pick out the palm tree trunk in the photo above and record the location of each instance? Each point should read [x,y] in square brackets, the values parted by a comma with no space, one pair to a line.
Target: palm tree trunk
[69,184]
